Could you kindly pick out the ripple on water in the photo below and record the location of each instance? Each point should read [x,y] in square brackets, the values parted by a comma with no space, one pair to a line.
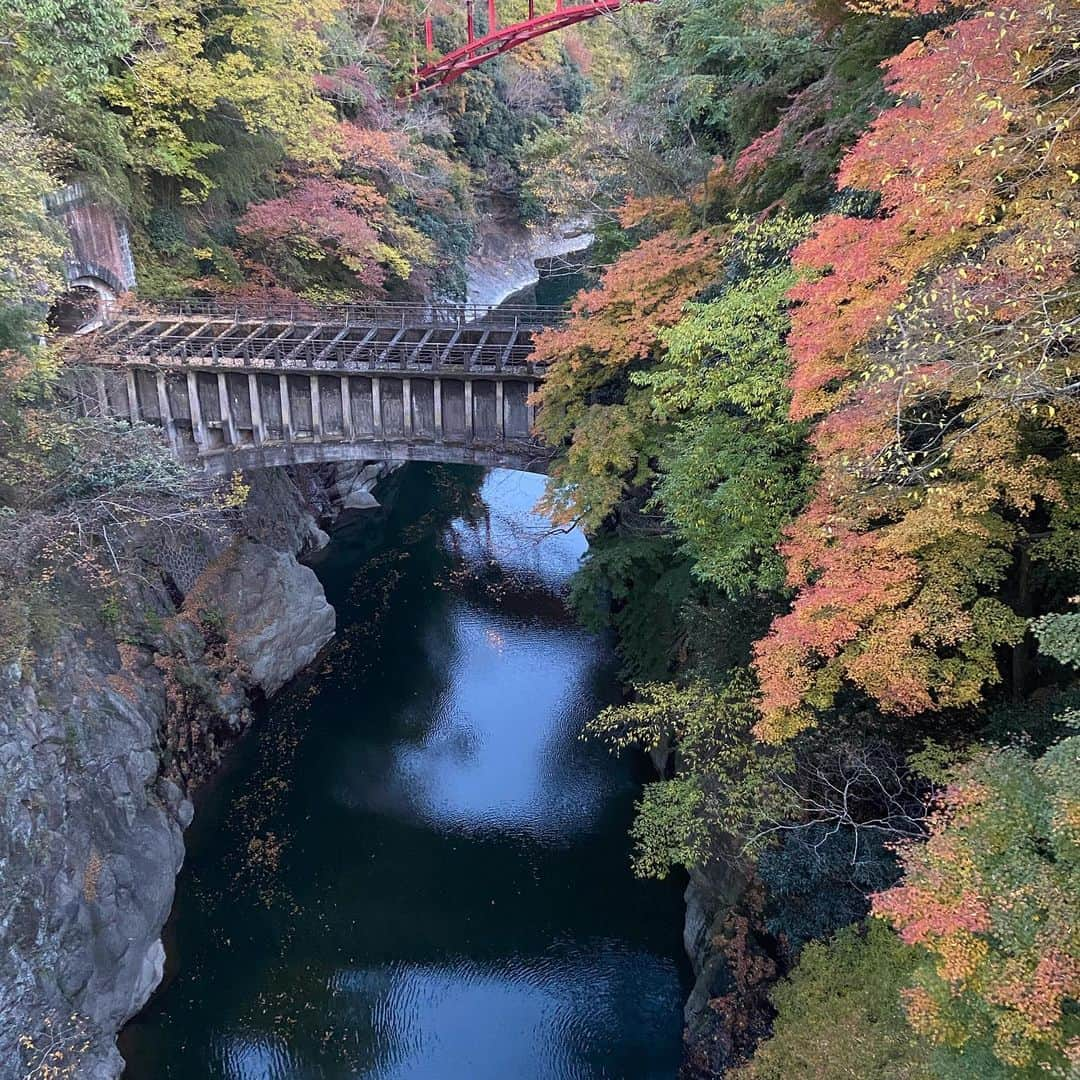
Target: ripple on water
[549,1016]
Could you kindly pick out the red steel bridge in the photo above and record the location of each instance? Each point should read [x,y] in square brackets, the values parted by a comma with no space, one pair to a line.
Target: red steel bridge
[500,39]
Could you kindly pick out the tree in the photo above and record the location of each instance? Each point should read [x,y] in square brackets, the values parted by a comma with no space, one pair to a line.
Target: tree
[66,46]
[734,470]
[32,244]
[586,400]
[191,61]
[318,220]
[931,345]
[725,785]
[839,1014]
[991,900]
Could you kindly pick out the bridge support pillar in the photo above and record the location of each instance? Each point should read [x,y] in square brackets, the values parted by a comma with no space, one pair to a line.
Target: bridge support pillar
[228,428]
[102,393]
[346,410]
[376,407]
[406,406]
[470,425]
[132,396]
[258,425]
[316,409]
[436,393]
[198,428]
[286,408]
[165,411]
[500,411]
[530,408]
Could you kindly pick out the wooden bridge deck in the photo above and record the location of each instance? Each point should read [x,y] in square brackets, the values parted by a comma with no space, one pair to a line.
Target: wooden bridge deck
[251,388]
[315,344]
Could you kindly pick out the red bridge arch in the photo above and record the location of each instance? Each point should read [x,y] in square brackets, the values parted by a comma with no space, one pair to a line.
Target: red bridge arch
[501,39]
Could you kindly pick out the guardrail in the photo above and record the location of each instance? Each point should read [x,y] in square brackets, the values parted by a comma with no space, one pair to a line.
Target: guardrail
[368,313]
[511,358]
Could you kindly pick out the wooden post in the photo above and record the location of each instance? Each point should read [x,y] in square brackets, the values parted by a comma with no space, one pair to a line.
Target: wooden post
[286,408]
[258,425]
[198,428]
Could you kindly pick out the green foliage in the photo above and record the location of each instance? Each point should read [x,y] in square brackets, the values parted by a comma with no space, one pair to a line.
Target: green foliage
[193,60]
[1035,724]
[669,828]
[66,47]
[32,245]
[991,898]
[711,51]
[637,585]
[1059,637]
[165,231]
[735,468]
[839,1014]
[725,784]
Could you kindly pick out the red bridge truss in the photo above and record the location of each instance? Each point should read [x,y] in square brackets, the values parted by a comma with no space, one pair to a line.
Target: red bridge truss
[501,39]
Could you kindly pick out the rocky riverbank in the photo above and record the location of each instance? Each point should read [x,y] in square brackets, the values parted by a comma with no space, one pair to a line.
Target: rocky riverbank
[105,735]
[508,255]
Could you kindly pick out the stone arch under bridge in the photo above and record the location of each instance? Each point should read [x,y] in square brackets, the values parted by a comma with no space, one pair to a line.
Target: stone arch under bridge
[237,391]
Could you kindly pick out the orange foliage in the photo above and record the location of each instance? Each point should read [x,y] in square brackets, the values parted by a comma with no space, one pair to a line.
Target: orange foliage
[612,327]
[640,294]
[991,898]
[922,342]
[933,159]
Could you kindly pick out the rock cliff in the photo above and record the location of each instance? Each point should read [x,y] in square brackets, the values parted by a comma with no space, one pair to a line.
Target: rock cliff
[104,735]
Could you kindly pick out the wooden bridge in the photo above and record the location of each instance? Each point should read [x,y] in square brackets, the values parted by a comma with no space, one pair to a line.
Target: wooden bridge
[248,386]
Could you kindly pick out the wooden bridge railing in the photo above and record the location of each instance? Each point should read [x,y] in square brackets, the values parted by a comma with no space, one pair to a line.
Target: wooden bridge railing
[369,313]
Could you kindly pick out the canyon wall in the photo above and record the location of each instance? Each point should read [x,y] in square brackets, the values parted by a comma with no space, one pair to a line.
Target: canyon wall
[106,733]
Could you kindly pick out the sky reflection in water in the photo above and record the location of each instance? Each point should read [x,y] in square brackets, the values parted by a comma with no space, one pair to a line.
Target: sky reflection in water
[452,896]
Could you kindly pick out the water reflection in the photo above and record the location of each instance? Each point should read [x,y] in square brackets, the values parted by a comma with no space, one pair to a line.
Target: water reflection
[417,869]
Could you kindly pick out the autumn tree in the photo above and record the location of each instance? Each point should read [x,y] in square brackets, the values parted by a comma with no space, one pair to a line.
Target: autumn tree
[930,343]
[990,902]
[840,1014]
[190,61]
[587,401]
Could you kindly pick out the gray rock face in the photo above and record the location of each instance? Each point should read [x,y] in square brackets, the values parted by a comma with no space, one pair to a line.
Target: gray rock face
[92,806]
[90,844]
[278,615]
[355,484]
[507,253]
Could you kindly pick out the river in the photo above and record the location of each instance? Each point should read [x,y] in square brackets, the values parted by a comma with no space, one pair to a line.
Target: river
[413,866]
